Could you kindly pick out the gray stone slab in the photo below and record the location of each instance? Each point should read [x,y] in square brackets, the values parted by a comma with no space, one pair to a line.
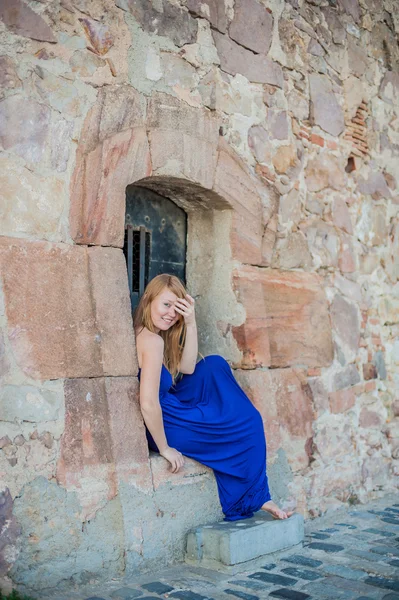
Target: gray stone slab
[385,550]
[305,561]
[288,594]
[274,578]
[384,582]
[346,572]
[323,589]
[301,573]
[241,595]
[374,568]
[366,555]
[251,584]
[244,541]
[357,587]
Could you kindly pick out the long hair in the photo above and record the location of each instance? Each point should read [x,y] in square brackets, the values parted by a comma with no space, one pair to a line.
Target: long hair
[175,337]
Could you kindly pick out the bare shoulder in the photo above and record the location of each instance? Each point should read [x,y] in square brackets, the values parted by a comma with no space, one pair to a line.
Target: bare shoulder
[149,343]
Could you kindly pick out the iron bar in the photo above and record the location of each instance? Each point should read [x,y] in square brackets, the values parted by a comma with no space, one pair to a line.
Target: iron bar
[130,258]
[142,262]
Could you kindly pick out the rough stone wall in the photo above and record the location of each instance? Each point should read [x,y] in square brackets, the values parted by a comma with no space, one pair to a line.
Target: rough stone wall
[275,125]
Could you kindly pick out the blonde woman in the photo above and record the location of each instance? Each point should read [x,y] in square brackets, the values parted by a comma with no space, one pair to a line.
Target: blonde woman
[204,414]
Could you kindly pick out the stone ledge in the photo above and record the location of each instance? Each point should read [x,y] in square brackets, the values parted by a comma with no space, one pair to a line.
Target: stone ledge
[226,544]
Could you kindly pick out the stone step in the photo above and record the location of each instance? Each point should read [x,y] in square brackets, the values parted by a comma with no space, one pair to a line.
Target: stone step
[226,544]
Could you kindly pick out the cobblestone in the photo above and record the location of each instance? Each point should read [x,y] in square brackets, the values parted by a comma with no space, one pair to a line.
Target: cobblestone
[361,564]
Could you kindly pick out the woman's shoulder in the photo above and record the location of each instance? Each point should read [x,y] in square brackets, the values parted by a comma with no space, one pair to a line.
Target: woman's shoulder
[147,340]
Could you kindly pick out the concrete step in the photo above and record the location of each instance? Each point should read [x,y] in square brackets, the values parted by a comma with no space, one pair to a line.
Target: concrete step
[226,544]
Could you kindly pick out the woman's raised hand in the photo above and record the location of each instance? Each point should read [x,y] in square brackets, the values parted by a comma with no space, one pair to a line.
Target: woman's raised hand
[174,457]
[185,307]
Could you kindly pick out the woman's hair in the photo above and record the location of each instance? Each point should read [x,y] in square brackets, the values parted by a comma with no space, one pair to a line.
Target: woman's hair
[175,336]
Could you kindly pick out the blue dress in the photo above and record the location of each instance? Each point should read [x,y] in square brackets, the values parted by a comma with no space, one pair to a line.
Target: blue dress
[209,418]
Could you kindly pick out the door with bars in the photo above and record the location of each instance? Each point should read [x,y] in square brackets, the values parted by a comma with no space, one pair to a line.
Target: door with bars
[155,239]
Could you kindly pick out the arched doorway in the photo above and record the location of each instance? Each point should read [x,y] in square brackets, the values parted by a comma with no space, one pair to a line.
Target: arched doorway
[155,239]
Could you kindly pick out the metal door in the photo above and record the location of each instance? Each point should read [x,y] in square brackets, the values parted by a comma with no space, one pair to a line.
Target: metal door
[155,239]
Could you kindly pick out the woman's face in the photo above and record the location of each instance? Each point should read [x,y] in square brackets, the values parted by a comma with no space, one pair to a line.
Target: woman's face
[163,313]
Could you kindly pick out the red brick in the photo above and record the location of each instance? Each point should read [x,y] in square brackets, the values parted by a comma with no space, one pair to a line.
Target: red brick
[317,139]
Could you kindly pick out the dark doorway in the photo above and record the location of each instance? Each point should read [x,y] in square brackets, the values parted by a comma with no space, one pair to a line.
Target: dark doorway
[155,239]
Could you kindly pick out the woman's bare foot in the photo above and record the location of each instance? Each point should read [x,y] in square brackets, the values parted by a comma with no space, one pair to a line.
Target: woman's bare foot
[275,511]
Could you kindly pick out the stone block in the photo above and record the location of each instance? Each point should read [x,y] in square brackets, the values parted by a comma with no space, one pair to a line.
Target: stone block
[189,157]
[29,204]
[104,444]
[229,544]
[388,309]
[165,112]
[369,419]
[117,108]
[284,400]
[333,442]
[235,184]
[110,292]
[292,252]
[9,532]
[52,522]
[252,26]
[8,74]
[24,127]
[97,212]
[257,68]
[375,186]
[22,20]
[287,319]
[325,171]
[347,257]
[127,431]
[346,378]
[212,10]
[389,88]
[345,321]
[325,110]
[192,472]
[342,400]
[341,216]
[30,404]
[323,242]
[352,8]
[54,327]
[98,35]
[169,20]
[260,143]
[285,158]
[277,124]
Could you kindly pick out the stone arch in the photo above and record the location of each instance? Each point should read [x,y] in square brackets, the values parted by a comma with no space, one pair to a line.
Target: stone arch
[176,150]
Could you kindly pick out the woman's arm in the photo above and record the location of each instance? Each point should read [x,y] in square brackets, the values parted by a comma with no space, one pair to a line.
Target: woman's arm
[152,357]
[190,351]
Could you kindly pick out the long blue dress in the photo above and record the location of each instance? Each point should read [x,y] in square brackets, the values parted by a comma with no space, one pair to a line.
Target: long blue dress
[209,418]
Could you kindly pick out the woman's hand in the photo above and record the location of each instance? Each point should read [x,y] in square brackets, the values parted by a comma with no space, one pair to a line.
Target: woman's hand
[185,307]
[174,457]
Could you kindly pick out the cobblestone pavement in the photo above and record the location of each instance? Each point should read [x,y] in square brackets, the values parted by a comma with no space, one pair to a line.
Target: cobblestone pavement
[349,555]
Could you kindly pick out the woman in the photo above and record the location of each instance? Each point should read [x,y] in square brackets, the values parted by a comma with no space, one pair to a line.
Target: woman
[204,415]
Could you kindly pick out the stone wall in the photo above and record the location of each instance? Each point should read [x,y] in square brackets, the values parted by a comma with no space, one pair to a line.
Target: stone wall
[275,125]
